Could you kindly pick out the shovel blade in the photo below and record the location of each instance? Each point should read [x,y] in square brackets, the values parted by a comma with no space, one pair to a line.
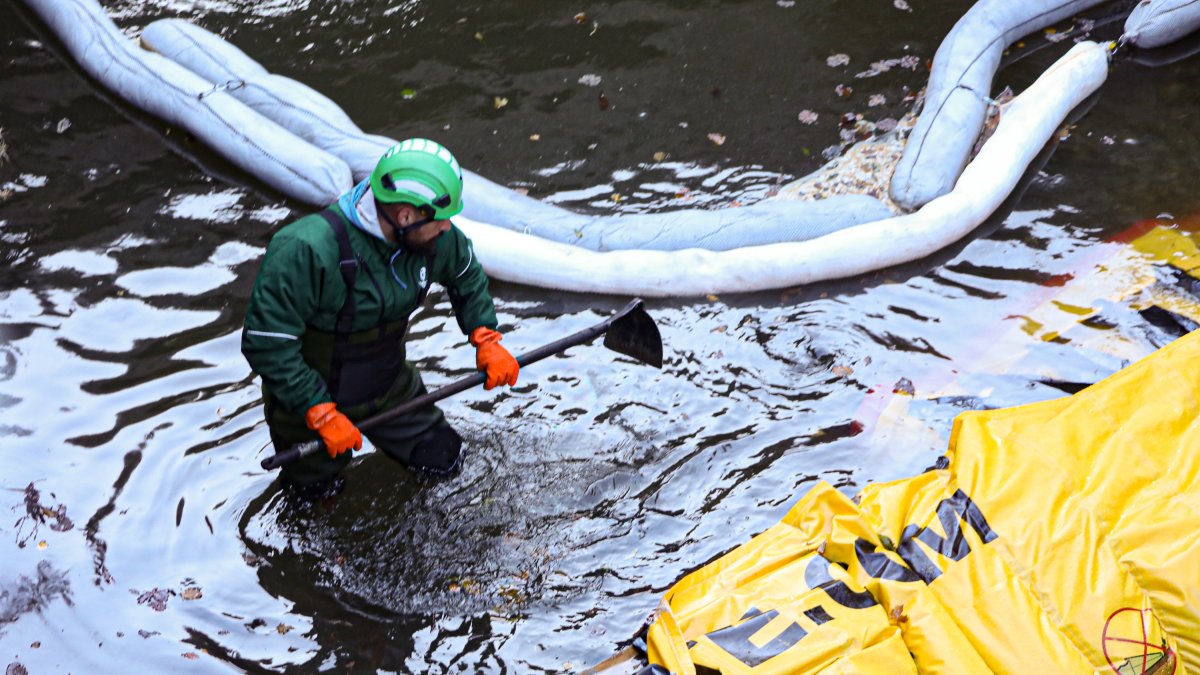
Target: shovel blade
[634,334]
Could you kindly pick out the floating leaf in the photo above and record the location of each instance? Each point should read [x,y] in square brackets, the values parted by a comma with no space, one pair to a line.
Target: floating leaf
[190,656]
[193,593]
[499,102]
[590,79]
[408,94]
[616,197]
[479,37]
[581,18]
[603,101]
[904,386]
[660,156]
[807,117]
[283,629]
[837,60]
[717,139]
[535,137]
[156,598]
[843,371]
[42,544]
[843,91]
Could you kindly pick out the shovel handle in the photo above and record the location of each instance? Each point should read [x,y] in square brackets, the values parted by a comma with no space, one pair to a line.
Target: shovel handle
[307,448]
[292,454]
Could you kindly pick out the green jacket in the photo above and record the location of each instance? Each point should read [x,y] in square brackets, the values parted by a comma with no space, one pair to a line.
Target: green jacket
[300,287]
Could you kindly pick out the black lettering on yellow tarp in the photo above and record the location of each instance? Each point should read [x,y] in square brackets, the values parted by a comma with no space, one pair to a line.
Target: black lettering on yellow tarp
[736,639]
[880,565]
[914,565]
[917,566]
[951,513]
[816,575]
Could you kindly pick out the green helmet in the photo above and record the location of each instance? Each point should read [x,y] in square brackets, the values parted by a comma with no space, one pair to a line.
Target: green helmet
[420,172]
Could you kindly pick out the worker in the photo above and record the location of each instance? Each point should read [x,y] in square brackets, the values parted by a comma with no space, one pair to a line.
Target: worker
[328,357]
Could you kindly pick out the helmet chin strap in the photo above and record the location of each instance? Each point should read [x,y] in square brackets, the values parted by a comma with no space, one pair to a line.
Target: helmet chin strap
[398,230]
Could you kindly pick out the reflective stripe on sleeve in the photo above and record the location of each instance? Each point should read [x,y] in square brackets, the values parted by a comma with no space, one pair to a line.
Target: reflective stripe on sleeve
[471,252]
[264,333]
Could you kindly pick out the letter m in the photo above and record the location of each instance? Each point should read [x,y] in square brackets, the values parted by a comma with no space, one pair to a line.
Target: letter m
[951,514]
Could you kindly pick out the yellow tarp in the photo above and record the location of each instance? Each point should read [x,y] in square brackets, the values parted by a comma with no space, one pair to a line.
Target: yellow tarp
[1060,537]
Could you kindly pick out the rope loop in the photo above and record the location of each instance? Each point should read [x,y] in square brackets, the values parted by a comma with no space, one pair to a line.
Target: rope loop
[228,85]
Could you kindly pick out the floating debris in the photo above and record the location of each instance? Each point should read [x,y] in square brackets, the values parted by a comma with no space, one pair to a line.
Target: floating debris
[156,598]
[837,60]
[39,514]
[590,80]
[857,168]
[909,62]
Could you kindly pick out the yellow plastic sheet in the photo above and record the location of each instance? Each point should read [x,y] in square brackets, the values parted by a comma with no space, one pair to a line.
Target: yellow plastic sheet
[1059,537]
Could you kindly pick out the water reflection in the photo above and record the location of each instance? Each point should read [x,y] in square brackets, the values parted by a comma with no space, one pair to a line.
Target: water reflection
[593,484]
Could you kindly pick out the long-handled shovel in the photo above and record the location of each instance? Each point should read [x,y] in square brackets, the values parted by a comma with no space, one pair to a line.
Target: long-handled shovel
[630,331]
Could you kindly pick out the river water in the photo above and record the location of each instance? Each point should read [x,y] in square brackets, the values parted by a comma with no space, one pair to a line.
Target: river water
[131,425]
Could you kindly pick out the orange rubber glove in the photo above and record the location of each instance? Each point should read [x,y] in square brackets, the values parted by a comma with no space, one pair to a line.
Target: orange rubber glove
[490,357]
[337,431]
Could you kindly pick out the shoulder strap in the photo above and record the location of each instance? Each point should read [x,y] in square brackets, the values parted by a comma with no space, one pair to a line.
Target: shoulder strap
[348,266]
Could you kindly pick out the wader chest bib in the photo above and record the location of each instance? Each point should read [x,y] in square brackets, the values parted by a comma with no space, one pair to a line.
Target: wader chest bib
[359,368]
